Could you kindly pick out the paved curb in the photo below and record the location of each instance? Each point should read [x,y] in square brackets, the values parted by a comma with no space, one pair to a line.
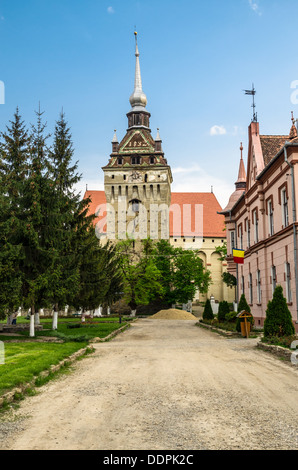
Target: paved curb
[278,351]
[111,335]
[228,334]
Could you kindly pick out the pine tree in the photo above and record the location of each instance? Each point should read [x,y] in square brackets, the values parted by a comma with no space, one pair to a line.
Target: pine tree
[68,216]
[208,312]
[113,276]
[243,305]
[15,146]
[36,257]
[93,281]
[223,309]
[278,320]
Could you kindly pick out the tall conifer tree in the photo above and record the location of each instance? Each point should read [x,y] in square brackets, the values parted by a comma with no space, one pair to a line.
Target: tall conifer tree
[14,147]
[36,259]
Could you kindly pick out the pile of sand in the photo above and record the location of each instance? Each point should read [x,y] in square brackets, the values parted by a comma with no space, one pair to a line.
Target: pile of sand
[174,314]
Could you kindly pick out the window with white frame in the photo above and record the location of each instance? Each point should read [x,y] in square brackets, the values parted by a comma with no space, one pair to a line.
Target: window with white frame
[270,217]
[250,287]
[256,226]
[232,241]
[288,282]
[259,290]
[273,278]
[284,204]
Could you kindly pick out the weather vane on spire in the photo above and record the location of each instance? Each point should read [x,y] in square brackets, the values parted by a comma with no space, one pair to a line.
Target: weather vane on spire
[252,92]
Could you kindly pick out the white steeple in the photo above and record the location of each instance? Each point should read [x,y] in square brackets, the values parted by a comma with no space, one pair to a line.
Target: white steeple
[138,99]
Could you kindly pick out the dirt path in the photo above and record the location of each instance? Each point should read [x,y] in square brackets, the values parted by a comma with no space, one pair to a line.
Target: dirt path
[168,385]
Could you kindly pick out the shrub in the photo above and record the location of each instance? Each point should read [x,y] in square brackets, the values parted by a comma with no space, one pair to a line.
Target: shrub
[243,305]
[278,320]
[231,317]
[223,309]
[208,312]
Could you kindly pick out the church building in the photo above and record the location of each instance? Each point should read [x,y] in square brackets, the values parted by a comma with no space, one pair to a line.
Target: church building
[137,200]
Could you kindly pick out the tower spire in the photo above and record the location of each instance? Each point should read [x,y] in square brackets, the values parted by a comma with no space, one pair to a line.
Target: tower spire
[138,99]
[241,181]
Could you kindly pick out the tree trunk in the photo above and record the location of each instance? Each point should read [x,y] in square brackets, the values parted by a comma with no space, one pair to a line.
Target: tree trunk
[55,318]
[109,310]
[32,317]
[83,316]
[133,313]
[9,319]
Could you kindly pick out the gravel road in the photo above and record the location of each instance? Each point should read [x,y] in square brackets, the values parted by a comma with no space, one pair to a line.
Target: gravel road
[163,385]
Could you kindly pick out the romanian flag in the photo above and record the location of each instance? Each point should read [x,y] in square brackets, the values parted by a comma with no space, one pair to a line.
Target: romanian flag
[238,256]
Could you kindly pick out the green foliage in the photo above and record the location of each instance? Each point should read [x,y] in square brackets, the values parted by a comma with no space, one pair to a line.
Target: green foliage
[222,251]
[208,312]
[49,253]
[141,277]
[229,279]
[231,317]
[243,305]
[182,272]
[278,320]
[223,309]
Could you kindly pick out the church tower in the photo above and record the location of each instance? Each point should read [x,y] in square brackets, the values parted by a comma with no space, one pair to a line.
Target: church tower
[137,178]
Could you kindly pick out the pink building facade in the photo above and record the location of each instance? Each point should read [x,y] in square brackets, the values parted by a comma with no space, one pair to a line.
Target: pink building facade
[261,218]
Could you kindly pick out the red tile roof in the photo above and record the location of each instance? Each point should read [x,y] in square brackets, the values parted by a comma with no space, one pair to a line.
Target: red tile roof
[213,223]
[183,204]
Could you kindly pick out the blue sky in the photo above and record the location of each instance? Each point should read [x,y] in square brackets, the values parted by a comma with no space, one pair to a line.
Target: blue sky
[196,58]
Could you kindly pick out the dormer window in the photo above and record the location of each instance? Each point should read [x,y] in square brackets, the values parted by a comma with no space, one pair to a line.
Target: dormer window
[120,161]
[151,160]
[135,160]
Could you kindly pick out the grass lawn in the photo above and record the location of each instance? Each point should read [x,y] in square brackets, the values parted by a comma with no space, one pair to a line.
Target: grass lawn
[76,331]
[25,360]
[48,321]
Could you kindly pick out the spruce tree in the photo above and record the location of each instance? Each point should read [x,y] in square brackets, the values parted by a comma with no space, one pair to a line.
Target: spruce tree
[208,312]
[243,305]
[36,257]
[68,216]
[223,309]
[15,148]
[278,320]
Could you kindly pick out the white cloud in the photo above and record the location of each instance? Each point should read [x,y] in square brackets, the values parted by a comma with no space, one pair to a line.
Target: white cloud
[195,179]
[218,130]
[110,10]
[254,6]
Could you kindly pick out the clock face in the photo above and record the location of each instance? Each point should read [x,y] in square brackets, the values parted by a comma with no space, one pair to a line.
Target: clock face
[135,176]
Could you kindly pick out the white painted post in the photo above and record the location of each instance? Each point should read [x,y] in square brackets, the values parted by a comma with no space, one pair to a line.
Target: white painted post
[32,329]
[55,320]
